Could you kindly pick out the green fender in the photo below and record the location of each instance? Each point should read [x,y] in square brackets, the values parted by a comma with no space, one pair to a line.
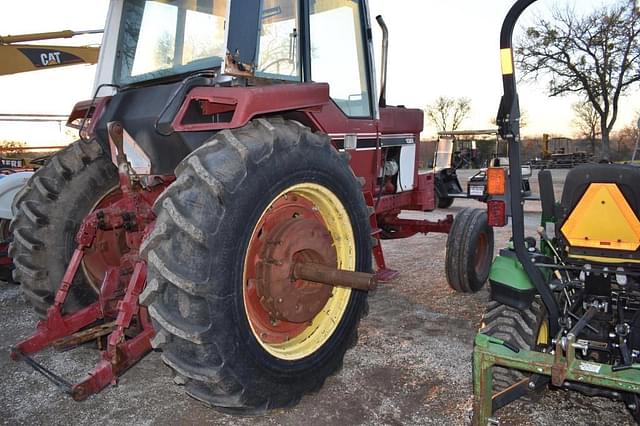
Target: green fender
[509,283]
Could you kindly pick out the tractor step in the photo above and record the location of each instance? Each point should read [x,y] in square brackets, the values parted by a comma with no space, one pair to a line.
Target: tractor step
[387,275]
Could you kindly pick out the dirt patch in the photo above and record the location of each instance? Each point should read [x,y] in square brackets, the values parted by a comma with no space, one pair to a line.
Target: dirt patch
[412,365]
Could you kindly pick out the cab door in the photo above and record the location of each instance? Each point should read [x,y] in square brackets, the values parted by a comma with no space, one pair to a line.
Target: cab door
[339,54]
[338,51]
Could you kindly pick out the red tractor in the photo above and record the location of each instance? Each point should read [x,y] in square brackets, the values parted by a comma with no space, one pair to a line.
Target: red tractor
[227,199]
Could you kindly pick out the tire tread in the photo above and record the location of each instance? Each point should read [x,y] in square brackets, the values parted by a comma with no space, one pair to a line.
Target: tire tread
[209,376]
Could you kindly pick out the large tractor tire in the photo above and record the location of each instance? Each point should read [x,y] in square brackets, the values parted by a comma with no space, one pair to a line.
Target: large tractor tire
[469,251]
[524,329]
[6,265]
[244,206]
[50,209]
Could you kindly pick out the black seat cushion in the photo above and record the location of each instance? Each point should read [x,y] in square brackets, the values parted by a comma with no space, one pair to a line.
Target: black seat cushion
[627,178]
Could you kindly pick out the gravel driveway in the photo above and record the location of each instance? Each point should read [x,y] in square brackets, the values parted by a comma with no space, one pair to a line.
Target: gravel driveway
[412,364]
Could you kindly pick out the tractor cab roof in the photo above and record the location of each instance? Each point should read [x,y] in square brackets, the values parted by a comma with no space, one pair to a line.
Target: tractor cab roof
[148,42]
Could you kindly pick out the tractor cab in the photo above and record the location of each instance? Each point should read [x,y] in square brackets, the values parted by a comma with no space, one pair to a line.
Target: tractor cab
[155,42]
[176,72]
[152,42]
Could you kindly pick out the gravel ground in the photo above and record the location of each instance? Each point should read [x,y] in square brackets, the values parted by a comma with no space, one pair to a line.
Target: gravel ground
[412,364]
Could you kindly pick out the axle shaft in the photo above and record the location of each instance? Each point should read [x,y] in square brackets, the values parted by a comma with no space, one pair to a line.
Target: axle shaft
[335,277]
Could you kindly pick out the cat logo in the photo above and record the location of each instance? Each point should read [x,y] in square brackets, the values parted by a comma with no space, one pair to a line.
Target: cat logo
[43,57]
[50,58]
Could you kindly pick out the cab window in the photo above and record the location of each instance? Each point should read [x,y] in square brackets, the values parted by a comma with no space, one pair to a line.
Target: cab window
[278,55]
[338,55]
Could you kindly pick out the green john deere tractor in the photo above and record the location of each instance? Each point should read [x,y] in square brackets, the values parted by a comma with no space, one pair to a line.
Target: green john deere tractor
[565,307]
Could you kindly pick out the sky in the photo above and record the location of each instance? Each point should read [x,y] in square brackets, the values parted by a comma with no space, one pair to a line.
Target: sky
[447,48]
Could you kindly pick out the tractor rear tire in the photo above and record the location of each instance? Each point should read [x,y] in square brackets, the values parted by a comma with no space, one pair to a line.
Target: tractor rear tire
[50,209]
[469,251]
[524,329]
[6,269]
[211,328]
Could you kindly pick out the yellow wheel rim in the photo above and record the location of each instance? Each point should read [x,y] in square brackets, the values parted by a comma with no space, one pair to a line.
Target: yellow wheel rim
[309,337]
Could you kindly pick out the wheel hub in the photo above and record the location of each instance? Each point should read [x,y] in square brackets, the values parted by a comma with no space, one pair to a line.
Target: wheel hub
[304,227]
[108,248]
[291,241]
[481,252]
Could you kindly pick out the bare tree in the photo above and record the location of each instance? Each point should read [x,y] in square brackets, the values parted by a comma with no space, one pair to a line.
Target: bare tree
[587,121]
[448,113]
[627,137]
[597,56]
[12,149]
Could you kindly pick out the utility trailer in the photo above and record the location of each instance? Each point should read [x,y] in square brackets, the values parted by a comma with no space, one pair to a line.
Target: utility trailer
[560,153]
[227,200]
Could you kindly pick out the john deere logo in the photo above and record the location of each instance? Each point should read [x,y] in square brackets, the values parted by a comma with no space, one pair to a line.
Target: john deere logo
[43,57]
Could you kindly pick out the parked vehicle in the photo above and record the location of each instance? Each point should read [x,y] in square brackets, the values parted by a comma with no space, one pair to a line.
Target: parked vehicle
[565,306]
[229,197]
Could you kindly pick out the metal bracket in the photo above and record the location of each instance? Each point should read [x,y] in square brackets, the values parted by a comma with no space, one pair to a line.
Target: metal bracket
[490,351]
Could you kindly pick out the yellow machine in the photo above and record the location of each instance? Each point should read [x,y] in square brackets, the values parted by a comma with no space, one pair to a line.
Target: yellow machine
[17,57]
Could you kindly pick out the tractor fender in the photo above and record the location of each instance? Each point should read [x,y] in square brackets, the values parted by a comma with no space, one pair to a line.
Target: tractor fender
[509,283]
[159,118]
[9,187]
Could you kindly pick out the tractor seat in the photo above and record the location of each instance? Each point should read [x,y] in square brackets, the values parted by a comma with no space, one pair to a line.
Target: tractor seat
[600,211]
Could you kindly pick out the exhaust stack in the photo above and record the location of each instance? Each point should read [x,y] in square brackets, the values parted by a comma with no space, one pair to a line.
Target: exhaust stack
[385,54]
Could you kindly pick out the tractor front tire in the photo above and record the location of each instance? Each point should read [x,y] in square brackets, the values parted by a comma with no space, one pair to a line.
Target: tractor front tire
[241,201]
[444,202]
[469,251]
[524,329]
[49,211]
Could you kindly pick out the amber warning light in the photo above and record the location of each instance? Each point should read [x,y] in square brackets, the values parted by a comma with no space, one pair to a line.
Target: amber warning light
[496,181]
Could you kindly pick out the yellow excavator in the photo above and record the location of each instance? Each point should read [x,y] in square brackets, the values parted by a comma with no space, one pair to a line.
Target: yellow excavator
[17,56]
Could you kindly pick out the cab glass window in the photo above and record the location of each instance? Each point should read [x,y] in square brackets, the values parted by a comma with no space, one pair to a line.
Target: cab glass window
[278,55]
[338,54]
[164,38]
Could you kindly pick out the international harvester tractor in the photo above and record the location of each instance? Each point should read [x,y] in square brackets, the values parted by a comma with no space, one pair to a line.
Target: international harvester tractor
[236,172]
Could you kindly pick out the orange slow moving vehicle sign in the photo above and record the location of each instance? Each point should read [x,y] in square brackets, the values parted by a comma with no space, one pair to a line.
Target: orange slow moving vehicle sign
[603,219]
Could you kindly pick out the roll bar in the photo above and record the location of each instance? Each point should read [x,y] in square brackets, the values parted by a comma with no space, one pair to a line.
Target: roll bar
[508,121]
